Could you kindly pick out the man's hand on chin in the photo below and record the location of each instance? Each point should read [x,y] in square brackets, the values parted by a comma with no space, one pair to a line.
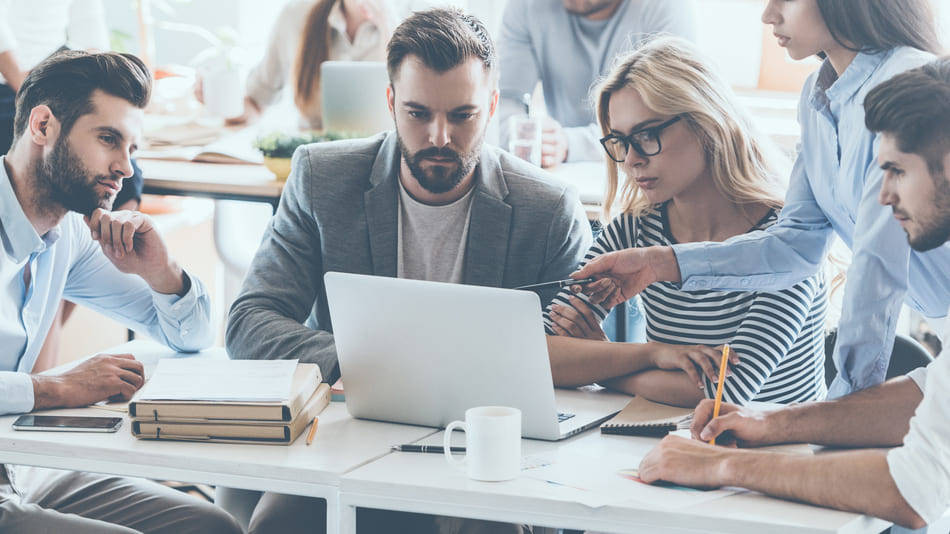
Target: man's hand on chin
[132,243]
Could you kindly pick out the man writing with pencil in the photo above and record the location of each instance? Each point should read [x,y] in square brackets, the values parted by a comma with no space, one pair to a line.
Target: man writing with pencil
[428,201]
[909,484]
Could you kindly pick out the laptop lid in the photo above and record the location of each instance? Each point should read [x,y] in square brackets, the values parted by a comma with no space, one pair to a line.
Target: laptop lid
[423,352]
[353,97]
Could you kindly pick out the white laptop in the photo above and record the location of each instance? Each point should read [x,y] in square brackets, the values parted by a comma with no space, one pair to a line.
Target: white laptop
[423,352]
[353,97]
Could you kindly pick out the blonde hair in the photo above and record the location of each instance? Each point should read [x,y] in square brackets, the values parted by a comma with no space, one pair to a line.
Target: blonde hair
[673,79]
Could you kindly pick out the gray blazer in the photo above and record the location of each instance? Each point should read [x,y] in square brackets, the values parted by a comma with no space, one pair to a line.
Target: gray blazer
[339,211]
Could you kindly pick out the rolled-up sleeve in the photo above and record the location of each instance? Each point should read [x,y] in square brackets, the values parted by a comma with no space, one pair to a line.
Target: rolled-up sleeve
[16,392]
[776,258]
[921,467]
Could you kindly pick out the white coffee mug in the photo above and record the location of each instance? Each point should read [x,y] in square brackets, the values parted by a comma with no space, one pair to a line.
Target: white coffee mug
[222,87]
[492,443]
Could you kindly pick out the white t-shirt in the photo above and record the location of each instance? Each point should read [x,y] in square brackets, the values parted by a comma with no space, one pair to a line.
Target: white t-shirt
[432,239]
[921,467]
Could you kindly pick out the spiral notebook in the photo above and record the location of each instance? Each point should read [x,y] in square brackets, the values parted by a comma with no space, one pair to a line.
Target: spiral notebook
[641,417]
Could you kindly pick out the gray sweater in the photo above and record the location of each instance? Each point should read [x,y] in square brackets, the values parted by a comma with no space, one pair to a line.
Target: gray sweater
[339,211]
[540,40]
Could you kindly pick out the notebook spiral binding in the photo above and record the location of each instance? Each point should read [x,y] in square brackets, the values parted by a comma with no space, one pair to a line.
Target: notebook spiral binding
[647,430]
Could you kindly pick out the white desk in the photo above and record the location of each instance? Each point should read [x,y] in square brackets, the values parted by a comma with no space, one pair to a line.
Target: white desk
[350,465]
[425,483]
[341,444]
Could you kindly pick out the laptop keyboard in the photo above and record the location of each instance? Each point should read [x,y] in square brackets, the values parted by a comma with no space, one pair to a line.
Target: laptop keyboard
[561,416]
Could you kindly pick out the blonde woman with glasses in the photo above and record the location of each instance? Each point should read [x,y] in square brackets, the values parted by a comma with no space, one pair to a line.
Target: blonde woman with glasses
[694,169]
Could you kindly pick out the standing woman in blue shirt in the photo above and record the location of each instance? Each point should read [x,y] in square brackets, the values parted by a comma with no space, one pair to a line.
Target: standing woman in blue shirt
[833,190]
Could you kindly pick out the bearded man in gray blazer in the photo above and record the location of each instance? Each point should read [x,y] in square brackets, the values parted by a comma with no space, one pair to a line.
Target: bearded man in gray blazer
[426,201]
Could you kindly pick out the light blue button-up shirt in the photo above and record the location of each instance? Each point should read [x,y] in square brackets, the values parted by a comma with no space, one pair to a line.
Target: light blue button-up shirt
[834,188]
[67,263]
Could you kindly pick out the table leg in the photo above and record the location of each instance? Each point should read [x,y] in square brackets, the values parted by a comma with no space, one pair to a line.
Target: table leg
[346,518]
[333,513]
[621,322]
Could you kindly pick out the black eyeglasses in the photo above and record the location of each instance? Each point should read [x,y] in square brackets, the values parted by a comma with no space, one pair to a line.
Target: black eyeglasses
[646,141]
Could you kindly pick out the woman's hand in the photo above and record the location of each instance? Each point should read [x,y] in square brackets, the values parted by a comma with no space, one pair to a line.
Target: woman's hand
[577,320]
[694,360]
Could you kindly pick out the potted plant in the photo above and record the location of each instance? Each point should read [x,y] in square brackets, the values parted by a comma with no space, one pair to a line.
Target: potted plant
[278,148]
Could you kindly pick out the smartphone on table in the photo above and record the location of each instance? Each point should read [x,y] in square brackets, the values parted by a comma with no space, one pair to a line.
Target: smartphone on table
[67,423]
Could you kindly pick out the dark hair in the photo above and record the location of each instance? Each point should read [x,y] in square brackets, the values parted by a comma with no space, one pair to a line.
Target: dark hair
[878,25]
[65,82]
[442,38]
[914,107]
[314,49]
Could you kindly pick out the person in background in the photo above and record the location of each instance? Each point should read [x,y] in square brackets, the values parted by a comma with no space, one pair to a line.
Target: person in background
[908,484]
[305,34]
[696,170]
[31,31]
[833,190]
[567,45]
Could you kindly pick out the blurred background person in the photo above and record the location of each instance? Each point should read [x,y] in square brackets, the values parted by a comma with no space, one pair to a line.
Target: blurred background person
[305,34]
[567,46]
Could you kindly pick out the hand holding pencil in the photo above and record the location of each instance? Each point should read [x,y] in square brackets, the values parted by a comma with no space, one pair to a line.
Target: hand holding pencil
[736,425]
[722,379]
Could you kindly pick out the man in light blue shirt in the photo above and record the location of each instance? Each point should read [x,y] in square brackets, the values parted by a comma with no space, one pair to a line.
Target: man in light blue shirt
[79,118]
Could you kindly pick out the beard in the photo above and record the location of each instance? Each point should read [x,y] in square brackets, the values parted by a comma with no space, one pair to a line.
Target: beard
[67,182]
[936,230]
[440,178]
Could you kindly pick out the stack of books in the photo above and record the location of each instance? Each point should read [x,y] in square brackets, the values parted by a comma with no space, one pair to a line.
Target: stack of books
[246,401]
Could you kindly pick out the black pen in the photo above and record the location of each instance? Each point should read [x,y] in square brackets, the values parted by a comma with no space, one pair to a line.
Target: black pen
[425,448]
[558,283]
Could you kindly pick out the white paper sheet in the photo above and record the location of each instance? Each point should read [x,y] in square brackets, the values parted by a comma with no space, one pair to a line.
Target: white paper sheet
[603,480]
[206,379]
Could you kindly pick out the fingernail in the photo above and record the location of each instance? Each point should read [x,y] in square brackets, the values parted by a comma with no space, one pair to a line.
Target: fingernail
[95,234]
[704,435]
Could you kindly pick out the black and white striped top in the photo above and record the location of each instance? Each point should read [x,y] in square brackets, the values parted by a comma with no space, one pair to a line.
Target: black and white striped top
[778,335]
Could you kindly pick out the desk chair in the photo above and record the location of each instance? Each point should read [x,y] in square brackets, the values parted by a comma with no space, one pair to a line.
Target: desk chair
[906,356]
[238,230]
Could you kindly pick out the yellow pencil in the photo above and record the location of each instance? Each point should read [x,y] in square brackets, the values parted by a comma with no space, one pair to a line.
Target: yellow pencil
[722,378]
[313,430]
